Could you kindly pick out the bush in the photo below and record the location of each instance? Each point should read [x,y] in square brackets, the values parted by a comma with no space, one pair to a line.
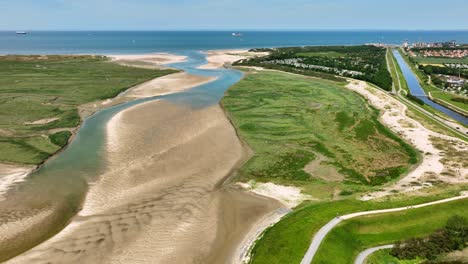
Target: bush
[60,138]
[454,236]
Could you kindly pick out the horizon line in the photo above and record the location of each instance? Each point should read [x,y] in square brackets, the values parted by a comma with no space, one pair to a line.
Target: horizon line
[230,29]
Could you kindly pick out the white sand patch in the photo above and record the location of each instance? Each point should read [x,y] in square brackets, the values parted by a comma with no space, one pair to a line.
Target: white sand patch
[287,195]
[153,58]
[11,175]
[431,167]
[42,121]
[244,251]
[219,58]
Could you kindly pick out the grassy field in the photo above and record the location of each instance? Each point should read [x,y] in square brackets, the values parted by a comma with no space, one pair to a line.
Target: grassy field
[290,120]
[429,60]
[344,242]
[41,93]
[288,240]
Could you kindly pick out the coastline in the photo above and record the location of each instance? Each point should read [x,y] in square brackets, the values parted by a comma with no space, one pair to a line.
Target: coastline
[97,202]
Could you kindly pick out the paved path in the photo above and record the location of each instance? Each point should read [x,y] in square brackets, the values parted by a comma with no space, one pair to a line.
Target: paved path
[363,255]
[318,238]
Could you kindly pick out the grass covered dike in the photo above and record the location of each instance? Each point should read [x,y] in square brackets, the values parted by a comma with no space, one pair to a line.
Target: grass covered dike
[41,87]
[346,241]
[289,120]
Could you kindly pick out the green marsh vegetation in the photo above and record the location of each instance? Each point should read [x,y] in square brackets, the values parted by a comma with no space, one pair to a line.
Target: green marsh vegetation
[50,88]
[291,120]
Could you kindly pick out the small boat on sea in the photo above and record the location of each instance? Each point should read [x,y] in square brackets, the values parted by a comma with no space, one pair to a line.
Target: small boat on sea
[21,32]
[237,34]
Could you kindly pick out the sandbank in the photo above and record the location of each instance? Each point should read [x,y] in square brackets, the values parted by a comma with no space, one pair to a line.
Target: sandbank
[162,197]
[220,58]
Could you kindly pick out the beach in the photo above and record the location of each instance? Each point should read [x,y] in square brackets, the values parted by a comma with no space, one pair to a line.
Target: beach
[163,195]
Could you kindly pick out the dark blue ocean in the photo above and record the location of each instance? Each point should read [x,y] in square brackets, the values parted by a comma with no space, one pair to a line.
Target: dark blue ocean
[115,42]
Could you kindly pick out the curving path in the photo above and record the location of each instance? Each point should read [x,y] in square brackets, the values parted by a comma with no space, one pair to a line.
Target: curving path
[361,258]
[318,238]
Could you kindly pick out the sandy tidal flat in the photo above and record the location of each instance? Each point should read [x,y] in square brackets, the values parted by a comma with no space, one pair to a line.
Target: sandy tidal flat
[153,60]
[161,200]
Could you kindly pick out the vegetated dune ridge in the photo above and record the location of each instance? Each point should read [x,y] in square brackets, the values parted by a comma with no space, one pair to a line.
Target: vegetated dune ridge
[443,156]
[162,199]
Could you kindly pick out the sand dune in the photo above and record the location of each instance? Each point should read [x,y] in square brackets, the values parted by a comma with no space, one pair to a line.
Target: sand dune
[161,200]
[438,164]
[218,58]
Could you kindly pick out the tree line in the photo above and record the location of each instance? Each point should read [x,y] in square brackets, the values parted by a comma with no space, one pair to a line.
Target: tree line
[369,60]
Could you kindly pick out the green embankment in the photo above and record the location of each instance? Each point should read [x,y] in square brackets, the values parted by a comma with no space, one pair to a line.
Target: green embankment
[288,240]
[344,242]
[34,88]
[290,120]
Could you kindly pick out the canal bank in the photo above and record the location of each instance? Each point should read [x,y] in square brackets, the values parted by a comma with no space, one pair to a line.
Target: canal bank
[417,90]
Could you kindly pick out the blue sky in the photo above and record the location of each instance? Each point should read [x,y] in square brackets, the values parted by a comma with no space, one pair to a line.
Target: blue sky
[232,14]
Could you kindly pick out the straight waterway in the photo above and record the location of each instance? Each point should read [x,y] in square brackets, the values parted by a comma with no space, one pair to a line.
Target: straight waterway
[417,90]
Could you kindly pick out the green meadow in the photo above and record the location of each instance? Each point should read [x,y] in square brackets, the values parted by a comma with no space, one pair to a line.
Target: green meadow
[34,88]
[291,120]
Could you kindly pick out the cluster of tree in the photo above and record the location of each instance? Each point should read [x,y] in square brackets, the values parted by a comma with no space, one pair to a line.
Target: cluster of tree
[431,69]
[369,60]
[454,236]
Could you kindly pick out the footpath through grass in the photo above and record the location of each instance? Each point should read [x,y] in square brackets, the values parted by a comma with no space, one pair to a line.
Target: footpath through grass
[290,120]
[35,88]
[346,241]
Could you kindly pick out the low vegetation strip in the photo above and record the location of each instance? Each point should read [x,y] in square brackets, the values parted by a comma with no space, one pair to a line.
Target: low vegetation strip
[289,120]
[41,93]
[344,243]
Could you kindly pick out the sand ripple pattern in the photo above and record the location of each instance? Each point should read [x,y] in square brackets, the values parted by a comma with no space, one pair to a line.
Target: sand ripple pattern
[161,200]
